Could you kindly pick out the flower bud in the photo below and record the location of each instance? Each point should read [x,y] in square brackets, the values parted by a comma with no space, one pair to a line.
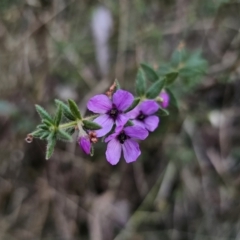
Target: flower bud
[29,138]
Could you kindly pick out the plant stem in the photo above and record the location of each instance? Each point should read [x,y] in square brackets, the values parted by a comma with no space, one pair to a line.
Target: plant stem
[67,125]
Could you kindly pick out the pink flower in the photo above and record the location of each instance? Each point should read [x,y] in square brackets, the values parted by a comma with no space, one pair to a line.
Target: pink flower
[112,111]
[85,143]
[165,99]
[143,115]
[124,139]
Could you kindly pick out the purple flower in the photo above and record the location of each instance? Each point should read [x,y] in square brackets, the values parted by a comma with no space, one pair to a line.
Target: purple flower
[143,115]
[165,99]
[123,139]
[112,111]
[85,144]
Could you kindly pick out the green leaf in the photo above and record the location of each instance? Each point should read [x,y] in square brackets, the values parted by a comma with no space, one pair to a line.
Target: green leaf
[92,151]
[150,74]
[47,123]
[51,144]
[43,113]
[70,130]
[173,100]
[156,88]
[134,104]
[38,133]
[63,135]
[91,125]
[44,135]
[129,123]
[162,112]
[58,115]
[43,127]
[178,57]
[117,84]
[164,69]
[66,111]
[171,77]
[104,137]
[140,83]
[74,109]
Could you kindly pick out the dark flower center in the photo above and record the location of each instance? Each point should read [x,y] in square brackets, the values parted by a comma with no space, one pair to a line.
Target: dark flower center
[113,113]
[122,137]
[141,116]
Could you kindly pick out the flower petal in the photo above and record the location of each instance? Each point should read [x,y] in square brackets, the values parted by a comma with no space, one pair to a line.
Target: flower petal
[113,152]
[133,113]
[149,107]
[151,123]
[131,150]
[106,122]
[122,99]
[85,144]
[136,132]
[99,104]
[138,123]
[165,97]
[115,134]
[121,119]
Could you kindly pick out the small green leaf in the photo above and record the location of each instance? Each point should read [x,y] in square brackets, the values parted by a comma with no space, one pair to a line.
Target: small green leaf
[43,127]
[38,133]
[129,123]
[150,74]
[74,109]
[91,125]
[134,104]
[117,84]
[66,111]
[44,135]
[47,123]
[58,115]
[164,69]
[178,57]
[155,89]
[162,112]
[103,138]
[140,83]
[43,113]
[70,130]
[92,151]
[62,135]
[171,77]
[173,100]
[51,144]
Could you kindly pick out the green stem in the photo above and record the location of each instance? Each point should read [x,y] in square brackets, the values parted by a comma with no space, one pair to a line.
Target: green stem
[67,125]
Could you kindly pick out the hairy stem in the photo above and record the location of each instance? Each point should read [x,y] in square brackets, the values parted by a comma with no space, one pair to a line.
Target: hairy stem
[67,125]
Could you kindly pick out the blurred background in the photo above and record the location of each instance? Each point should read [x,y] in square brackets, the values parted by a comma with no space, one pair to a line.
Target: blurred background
[185,184]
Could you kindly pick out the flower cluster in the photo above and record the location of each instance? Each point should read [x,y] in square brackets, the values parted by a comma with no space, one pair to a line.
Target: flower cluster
[113,118]
[119,117]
